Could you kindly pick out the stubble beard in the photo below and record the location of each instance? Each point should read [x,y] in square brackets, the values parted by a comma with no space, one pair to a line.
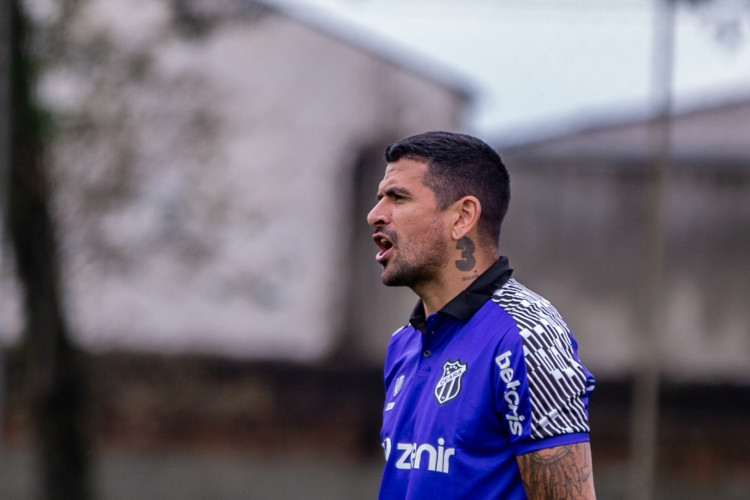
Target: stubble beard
[418,267]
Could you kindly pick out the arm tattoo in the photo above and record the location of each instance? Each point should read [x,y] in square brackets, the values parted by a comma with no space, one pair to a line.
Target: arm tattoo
[562,472]
[467,248]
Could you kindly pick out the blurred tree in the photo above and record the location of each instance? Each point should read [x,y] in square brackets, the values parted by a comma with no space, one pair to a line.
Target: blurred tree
[56,381]
[4,160]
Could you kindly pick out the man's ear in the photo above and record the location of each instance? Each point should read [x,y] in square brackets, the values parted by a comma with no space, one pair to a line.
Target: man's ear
[467,211]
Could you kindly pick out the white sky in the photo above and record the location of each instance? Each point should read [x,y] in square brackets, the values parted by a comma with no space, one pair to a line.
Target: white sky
[540,64]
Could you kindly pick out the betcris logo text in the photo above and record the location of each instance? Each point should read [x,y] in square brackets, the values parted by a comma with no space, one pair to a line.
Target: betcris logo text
[511,393]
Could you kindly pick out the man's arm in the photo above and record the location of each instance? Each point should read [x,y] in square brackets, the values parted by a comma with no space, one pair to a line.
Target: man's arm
[562,472]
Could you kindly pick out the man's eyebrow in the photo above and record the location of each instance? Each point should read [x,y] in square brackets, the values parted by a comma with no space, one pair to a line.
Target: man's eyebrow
[393,190]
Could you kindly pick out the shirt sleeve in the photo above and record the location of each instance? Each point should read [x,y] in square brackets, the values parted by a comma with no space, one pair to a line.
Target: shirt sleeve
[542,386]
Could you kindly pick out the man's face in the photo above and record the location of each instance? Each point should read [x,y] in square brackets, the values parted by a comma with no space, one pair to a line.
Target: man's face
[410,230]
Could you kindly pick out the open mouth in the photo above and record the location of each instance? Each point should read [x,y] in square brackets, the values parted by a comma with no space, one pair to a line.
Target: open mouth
[384,244]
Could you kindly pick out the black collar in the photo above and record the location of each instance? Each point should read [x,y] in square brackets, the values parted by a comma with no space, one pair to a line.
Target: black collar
[465,304]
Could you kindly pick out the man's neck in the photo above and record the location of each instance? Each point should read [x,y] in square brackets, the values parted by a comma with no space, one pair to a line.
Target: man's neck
[452,282]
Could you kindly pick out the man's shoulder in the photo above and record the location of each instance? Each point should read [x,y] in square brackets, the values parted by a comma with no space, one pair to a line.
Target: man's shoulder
[526,306]
[402,336]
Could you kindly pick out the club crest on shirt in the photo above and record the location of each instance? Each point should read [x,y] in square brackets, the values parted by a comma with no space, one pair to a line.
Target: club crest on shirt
[449,385]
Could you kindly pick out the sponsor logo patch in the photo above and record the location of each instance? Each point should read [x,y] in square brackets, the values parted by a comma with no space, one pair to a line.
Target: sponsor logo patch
[511,396]
[421,456]
[399,384]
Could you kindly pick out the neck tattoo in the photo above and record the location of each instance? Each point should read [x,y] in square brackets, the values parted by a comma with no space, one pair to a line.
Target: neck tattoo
[467,261]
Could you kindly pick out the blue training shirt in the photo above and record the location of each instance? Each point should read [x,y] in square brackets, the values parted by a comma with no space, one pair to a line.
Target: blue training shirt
[492,375]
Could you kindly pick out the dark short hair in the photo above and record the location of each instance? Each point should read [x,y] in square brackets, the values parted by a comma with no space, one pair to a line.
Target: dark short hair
[460,165]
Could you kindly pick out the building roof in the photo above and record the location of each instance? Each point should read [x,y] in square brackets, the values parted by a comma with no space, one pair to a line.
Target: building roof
[330,24]
[716,132]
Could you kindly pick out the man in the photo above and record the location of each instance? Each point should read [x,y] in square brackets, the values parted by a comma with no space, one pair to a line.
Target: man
[486,397]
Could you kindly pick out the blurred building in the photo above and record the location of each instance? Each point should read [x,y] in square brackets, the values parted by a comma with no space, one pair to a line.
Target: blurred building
[214,163]
[575,233]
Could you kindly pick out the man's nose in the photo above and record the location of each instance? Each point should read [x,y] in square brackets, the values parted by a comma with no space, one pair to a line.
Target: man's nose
[377,217]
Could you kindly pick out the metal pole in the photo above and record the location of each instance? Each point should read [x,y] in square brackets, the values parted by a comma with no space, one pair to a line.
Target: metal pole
[645,401]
